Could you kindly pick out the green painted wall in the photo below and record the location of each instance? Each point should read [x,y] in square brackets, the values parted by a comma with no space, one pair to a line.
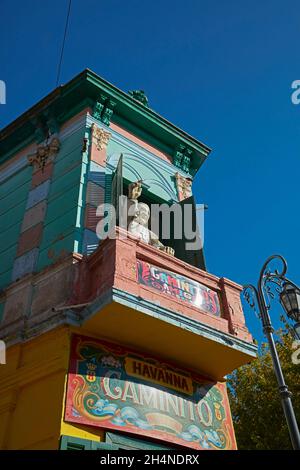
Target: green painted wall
[13,198]
[158,175]
[64,220]
[2,305]
[63,224]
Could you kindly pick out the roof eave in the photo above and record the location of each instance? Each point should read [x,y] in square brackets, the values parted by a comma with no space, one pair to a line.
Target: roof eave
[125,104]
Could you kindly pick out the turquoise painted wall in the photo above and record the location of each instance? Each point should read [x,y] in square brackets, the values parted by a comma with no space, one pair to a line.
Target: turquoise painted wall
[2,305]
[157,175]
[64,230]
[63,224]
[13,198]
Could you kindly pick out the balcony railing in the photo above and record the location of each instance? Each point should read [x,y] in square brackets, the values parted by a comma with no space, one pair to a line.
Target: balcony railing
[115,265]
[134,294]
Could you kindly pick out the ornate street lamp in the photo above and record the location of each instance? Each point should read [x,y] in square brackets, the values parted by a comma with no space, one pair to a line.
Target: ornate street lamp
[269,283]
[290,301]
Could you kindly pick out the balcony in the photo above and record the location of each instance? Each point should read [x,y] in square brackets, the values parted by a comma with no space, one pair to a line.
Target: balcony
[210,338]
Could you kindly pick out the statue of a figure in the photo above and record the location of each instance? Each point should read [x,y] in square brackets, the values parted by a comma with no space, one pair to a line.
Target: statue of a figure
[139,214]
[139,95]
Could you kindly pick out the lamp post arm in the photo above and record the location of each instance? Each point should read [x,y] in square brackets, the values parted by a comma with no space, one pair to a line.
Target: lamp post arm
[252,297]
[281,273]
[277,277]
[266,275]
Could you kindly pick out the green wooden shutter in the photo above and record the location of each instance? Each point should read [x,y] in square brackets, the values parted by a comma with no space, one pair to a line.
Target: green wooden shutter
[124,442]
[76,443]
[194,257]
[117,187]
[104,446]
[112,442]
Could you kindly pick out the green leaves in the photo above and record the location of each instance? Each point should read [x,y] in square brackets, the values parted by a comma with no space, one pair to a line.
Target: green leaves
[255,402]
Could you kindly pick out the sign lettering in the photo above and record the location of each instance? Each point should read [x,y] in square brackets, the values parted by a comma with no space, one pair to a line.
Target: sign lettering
[116,388]
[180,287]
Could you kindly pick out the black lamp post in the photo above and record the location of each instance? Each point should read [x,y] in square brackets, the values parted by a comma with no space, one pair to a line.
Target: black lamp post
[289,295]
[290,301]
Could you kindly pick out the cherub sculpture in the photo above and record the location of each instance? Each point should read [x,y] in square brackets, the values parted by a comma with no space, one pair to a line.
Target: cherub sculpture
[139,214]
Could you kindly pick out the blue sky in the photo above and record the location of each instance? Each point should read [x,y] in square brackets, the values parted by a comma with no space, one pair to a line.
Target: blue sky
[221,70]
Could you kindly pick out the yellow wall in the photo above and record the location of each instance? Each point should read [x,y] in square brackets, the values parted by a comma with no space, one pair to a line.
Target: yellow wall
[32,393]
[32,387]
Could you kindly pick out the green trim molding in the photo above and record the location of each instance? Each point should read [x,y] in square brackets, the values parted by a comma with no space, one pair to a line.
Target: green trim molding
[107,104]
[112,442]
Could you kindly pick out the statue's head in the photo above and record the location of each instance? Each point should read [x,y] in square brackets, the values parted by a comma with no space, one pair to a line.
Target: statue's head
[143,214]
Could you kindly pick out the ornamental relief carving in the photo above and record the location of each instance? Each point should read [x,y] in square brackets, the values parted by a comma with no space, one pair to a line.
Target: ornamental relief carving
[184,186]
[44,153]
[100,137]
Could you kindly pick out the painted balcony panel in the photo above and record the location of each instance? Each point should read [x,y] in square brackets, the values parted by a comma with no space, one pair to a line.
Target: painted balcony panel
[118,301]
[113,298]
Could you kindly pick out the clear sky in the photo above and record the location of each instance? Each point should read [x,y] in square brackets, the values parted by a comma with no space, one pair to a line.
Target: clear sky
[221,70]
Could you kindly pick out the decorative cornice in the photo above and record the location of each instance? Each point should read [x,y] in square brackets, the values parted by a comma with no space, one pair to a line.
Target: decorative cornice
[100,137]
[84,91]
[44,153]
[103,109]
[182,158]
[22,160]
[184,186]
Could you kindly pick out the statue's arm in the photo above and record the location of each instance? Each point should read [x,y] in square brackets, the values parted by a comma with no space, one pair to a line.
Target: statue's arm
[154,241]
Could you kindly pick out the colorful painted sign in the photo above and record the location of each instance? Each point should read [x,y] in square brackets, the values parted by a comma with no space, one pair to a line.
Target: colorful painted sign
[180,287]
[112,387]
